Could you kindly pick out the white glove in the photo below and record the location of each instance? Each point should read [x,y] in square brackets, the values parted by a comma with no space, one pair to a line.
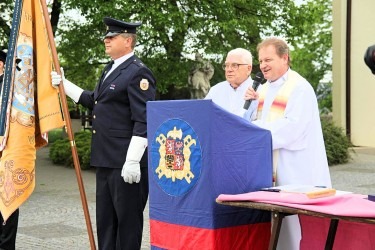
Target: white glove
[71,90]
[131,171]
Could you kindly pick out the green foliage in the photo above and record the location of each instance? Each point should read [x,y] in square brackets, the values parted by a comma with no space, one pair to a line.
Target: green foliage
[311,36]
[6,7]
[167,27]
[172,31]
[60,151]
[336,142]
[324,96]
[55,135]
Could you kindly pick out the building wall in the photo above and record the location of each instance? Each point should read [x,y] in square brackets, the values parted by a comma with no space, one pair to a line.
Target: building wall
[362,81]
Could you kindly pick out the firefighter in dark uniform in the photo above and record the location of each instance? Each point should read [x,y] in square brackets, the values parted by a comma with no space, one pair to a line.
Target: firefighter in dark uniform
[119,132]
[8,230]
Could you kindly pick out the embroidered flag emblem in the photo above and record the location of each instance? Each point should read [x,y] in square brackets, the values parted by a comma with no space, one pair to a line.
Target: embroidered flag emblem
[176,157]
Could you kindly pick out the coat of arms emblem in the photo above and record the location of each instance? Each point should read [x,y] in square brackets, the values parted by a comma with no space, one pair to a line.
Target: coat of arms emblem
[174,156]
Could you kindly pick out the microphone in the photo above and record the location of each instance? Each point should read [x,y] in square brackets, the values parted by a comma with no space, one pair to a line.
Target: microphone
[258,80]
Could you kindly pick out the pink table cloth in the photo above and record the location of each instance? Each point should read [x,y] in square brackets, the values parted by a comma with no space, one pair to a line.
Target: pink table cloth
[349,235]
[355,205]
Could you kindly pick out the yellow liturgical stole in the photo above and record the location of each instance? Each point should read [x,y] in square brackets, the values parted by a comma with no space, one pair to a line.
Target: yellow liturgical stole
[278,106]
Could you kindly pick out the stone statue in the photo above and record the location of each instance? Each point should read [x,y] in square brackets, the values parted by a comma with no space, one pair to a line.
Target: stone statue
[199,78]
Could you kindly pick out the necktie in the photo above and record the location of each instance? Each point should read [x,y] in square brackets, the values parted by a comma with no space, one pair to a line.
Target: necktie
[107,69]
[109,66]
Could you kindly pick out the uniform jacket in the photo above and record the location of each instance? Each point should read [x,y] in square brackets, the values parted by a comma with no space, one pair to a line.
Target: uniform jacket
[119,112]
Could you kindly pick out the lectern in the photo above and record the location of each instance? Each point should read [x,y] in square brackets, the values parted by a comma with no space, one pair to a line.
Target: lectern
[197,151]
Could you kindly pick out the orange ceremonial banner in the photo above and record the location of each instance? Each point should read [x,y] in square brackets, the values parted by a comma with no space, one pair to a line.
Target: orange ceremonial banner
[33,111]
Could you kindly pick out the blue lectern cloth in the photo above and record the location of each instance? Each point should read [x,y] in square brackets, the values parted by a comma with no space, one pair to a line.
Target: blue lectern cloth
[197,151]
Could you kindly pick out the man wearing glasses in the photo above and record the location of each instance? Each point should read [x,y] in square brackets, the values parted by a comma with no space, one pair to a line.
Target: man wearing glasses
[230,94]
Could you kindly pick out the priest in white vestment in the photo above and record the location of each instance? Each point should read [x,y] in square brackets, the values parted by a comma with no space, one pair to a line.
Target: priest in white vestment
[230,94]
[287,106]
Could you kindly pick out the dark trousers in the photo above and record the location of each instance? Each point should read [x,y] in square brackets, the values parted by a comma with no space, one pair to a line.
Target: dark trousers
[119,209]
[8,232]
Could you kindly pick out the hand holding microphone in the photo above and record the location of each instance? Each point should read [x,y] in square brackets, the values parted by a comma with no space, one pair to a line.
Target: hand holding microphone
[258,80]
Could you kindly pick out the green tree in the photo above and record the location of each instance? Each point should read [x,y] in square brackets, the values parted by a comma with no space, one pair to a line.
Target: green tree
[173,30]
[6,7]
[311,35]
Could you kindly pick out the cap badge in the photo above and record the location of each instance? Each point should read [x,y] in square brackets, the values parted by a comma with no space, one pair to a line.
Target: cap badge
[144,84]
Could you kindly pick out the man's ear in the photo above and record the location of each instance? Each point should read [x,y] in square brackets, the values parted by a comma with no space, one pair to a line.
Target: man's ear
[285,57]
[129,40]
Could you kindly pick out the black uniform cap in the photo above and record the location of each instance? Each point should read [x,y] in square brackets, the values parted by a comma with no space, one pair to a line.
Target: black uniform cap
[115,27]
[3,56]
[370,58]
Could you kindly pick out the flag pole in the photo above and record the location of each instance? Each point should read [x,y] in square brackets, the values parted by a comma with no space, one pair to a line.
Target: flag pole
[68,126]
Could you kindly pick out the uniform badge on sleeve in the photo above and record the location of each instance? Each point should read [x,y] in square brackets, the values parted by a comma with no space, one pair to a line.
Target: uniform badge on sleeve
[144,84]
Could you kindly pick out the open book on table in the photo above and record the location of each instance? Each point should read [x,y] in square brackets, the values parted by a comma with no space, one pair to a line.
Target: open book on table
[310,191]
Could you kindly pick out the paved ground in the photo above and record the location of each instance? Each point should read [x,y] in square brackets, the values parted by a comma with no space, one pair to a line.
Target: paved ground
[53,217]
